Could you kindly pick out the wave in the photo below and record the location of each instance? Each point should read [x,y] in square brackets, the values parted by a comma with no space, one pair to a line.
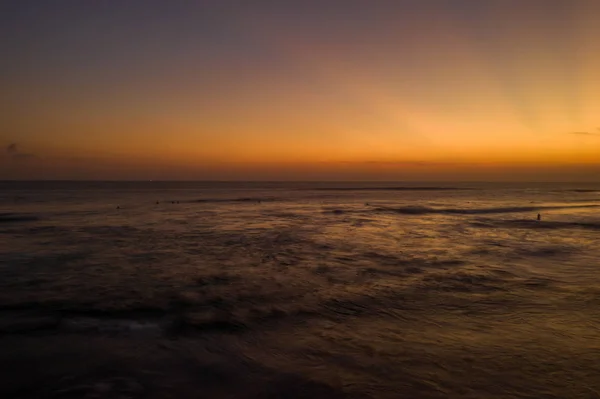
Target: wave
[241,199]
[403,188]
[423,210]
[534,224]
[581,190]
[15,217]
[337,211]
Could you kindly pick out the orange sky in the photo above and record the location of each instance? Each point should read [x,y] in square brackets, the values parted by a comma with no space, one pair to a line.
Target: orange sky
[381,90]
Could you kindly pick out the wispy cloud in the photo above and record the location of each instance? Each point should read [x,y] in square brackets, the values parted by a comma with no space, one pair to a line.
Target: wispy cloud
[392,163]
[14,153]
[12,148]
[585,133]
[23,156]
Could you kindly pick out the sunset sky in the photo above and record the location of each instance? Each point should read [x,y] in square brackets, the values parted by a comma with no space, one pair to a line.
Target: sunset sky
[300,90]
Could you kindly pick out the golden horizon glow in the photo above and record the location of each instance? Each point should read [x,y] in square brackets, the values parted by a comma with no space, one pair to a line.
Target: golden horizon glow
[416,92]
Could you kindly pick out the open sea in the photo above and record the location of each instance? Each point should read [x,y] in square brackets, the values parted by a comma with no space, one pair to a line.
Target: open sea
[299,290]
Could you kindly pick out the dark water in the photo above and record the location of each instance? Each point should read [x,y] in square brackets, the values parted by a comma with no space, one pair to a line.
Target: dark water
[299,290]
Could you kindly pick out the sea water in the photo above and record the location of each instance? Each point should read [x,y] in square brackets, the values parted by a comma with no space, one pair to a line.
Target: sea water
[251,289]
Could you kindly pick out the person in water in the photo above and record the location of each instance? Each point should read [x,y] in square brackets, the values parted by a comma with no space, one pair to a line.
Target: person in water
[539,217]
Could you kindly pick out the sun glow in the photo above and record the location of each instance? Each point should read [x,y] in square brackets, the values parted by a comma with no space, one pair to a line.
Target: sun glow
[403,89]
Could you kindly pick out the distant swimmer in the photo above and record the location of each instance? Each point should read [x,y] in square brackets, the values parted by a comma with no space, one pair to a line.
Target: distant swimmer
[366,204]
[118,207]
[539,217]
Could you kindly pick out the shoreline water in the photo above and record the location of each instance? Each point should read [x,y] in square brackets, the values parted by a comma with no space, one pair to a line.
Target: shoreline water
[217,297]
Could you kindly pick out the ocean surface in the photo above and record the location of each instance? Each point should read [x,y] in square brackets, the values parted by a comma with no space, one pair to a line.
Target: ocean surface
[299,290]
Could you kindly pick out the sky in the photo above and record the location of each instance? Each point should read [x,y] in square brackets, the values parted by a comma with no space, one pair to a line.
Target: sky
[300,90]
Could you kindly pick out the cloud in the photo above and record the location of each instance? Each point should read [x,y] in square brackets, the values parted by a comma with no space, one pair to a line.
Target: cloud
[22,156]
[585,133]
[12,148]
[394,163]
[13,152]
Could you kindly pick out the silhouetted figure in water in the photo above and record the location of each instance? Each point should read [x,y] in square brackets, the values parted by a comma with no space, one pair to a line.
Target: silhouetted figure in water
[118,207]
[366,204]
[157,202]
[539,217]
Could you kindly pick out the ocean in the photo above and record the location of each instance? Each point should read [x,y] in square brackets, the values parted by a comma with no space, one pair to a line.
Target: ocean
[299,290]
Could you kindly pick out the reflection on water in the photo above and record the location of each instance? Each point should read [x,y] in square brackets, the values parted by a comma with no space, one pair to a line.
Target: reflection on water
[322,290]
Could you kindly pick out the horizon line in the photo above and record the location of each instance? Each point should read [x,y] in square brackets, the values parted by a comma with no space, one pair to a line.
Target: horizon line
[287,181]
